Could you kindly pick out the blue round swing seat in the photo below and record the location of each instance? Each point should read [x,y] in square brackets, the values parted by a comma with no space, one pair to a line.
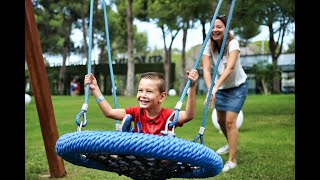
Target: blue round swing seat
[138,155]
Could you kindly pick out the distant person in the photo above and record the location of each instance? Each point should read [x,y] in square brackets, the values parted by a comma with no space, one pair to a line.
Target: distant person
[151,94]
[231,86]
[77,91]
[74,87]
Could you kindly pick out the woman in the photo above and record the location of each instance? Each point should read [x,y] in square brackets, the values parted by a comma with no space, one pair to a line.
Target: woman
[230,89]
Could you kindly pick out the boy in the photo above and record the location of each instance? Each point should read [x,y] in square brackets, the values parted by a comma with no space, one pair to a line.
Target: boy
[151,93]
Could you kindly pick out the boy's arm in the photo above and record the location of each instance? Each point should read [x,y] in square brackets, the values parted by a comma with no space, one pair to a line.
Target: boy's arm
[105,107]
[189,113]
[108,111]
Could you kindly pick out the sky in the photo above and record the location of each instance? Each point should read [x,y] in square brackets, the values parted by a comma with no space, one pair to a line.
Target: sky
[154,34]
[194,36]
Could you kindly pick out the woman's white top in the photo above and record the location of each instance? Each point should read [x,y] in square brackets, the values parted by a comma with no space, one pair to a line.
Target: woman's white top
[238,76]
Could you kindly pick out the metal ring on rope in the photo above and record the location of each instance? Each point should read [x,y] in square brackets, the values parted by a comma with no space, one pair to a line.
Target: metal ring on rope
[138,155]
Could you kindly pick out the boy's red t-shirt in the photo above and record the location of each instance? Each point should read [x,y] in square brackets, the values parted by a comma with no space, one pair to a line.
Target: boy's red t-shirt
[150,125]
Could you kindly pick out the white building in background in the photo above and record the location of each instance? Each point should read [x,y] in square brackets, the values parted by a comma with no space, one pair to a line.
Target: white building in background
[286,63]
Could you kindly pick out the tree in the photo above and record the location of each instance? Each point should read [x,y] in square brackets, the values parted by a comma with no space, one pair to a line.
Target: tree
[69,14]
[130,73]
[170,25]
[130,40]
[64,14]
[277,15]
[244,25]
[84,6]
[292,47]
[49,25]
[264,73]
[164,15]
[189,11]
[115,31]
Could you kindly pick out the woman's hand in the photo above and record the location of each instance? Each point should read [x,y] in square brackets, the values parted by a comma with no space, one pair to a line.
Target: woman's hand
[212,98]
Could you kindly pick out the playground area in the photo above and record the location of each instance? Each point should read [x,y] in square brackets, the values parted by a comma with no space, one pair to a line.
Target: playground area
[66,139]
[266,147]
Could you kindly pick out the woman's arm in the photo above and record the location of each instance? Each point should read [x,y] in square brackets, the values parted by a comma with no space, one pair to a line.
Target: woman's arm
[206,65]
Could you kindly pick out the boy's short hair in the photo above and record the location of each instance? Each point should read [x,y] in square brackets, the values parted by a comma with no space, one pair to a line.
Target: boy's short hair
[155,76]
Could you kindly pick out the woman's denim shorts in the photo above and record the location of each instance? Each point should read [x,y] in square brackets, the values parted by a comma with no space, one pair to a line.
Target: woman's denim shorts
[231,99]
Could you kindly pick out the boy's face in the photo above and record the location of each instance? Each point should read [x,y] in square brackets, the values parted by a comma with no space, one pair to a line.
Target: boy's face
[149,96]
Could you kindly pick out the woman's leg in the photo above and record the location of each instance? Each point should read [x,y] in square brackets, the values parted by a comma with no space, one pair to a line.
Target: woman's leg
[232,134]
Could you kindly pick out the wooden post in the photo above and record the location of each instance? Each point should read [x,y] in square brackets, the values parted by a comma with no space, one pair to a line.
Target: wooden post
[41,92]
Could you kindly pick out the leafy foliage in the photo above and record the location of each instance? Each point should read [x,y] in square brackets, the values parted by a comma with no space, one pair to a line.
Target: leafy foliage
[265,73]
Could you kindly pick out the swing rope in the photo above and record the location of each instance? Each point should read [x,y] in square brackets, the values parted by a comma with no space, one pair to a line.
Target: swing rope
[180,102]
[84,107]
[114,92]
[138,155]
[204,117]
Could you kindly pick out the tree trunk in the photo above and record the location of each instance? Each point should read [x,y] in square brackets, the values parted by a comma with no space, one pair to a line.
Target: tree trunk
[265,87]
[204,33]
[167,61]
[130,74]
[274,54]
[167,68]
[101,56]
[84,30]
[62,73]
[183,78]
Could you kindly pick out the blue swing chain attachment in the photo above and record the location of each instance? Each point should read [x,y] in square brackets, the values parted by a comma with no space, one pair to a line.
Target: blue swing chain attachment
[200,135]
[169,122]
[83,112]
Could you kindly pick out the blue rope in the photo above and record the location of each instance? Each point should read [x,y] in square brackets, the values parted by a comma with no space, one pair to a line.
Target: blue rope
[85,105]
[84,108]
[216,67]
[177,110]
[109,57]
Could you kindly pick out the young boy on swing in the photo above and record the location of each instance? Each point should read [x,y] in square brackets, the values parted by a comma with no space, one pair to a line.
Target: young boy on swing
[151,93]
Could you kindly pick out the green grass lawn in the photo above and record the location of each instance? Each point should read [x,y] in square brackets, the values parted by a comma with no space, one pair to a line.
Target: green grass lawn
[266,148]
